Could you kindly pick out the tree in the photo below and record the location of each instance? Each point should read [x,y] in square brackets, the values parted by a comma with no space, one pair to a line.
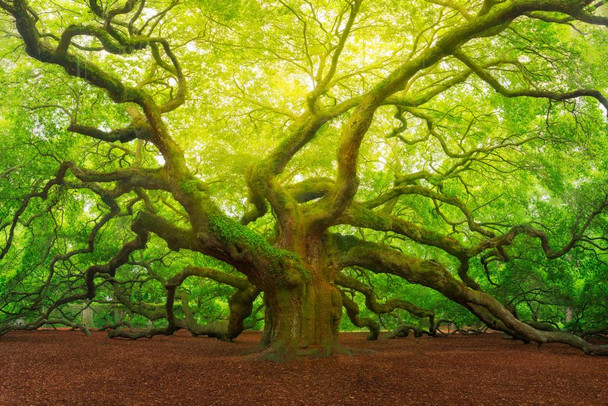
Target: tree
[460,133]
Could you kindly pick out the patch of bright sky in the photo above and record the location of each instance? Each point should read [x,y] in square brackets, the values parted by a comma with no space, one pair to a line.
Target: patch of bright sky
[88,204]
[159,159]
[39,131]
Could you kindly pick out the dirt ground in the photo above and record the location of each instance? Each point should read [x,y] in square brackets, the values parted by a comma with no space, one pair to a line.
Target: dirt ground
[67,368]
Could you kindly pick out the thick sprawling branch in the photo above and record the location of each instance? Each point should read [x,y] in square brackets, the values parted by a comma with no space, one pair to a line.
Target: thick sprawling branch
[372,303]
[382,259]
[360,216]
[240,304]
[122,135]
[352,311]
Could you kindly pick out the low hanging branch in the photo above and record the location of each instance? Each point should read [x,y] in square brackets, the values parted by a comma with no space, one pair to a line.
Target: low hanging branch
[432,274]
[372,303]
[240,305]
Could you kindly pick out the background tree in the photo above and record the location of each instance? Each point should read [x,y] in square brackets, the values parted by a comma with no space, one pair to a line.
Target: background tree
[312,151]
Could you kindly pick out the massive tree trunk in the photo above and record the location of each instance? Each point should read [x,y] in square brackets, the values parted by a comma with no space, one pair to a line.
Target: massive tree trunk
[303,310]
[302,318]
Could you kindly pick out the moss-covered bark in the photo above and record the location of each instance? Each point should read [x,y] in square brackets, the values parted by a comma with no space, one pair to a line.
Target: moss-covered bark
[302,319]
[303,313]
[437,277]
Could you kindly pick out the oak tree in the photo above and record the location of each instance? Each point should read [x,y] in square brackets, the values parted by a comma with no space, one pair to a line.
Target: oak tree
[297,150]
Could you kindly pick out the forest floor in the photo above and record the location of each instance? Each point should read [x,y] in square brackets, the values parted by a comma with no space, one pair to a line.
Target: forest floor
[67,368]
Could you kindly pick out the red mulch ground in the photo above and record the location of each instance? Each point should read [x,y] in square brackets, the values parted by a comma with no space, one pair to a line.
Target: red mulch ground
[67,368]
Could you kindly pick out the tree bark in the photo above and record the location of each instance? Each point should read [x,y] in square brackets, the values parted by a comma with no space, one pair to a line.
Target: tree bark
[302,313]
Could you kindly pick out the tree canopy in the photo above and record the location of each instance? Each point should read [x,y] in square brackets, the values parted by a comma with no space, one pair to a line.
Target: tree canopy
[203,165]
